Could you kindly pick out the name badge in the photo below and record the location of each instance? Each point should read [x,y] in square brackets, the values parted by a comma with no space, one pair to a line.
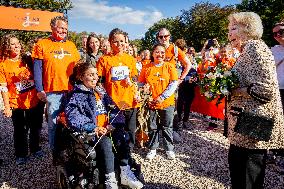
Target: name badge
[119,73]
[24,85]
[100,108]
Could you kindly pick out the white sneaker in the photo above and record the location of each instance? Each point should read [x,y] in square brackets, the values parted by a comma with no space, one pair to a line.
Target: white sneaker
[170,155]
[111,182]
[151,154]
[129,179]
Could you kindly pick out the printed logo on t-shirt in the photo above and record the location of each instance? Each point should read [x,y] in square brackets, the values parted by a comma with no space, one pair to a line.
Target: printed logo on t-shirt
[24,85]
[100,108]
[61,54]
[119,73]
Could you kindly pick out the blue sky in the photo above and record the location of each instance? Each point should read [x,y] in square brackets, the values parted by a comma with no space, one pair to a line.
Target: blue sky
[133,16]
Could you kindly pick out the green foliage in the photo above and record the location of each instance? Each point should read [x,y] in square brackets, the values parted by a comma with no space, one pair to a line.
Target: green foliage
[172,24]
[205,21]
[50,5]
[270,11]
[202,21]
[137,43]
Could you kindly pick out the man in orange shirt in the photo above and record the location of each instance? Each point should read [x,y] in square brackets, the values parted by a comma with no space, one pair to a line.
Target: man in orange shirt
[54,59]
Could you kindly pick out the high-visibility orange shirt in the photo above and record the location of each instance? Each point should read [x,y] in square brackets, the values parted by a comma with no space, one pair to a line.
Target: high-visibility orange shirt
[170,55]
[117,69]
[159,78]
[102,119]
[59,59]
[22,93]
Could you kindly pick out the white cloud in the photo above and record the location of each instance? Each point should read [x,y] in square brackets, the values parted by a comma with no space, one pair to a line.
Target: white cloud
[101,11]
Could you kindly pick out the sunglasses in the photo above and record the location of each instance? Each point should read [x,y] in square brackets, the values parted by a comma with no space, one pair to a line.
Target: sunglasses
[163,36]
[278,33]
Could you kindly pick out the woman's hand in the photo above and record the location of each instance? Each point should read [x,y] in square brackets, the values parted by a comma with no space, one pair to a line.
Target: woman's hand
[7,112]
[100,131]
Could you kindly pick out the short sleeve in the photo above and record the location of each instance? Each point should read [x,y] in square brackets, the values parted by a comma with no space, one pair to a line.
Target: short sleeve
[173,73]
[2,74]
[37,52]
[100,66]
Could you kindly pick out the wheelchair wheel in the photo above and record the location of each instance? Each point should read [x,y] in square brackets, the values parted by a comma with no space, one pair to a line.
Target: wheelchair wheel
[62,178]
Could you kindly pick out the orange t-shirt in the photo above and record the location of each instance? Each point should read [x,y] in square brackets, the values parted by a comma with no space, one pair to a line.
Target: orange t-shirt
[102,118]
[116,69]
[59,59]
[159,78]
[22,93]
[170,55]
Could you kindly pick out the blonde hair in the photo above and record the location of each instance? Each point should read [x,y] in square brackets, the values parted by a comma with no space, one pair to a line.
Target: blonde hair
[250,24]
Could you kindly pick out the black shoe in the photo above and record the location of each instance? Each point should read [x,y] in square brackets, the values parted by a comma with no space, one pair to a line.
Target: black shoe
[1,162]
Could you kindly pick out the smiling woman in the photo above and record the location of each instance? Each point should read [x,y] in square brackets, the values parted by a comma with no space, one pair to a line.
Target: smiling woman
[258,94]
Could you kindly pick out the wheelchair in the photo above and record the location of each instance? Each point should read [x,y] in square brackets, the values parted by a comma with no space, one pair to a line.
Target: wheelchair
[76,163]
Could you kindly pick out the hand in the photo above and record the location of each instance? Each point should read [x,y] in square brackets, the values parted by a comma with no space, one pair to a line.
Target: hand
[7,112]
[153,102]
[110,127]
[128,81]
[41,96]
[146,88]
[100,131]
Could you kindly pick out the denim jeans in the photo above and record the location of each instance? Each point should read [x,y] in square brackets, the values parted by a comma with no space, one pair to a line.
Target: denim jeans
[54,100]
[161,120]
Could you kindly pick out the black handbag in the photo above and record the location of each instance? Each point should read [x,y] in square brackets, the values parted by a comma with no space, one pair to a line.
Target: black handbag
[254,126]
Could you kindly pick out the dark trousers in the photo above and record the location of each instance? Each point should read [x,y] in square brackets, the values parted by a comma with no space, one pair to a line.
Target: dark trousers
[130,120]
[247,167]
[161,120]
[25,120]
[105,155]
[184,101]
[121,145]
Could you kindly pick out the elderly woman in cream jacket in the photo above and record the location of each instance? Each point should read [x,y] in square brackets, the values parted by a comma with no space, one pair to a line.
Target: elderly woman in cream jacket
[258,92]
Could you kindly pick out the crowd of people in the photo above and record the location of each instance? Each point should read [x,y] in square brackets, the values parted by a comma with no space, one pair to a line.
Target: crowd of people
[109,75]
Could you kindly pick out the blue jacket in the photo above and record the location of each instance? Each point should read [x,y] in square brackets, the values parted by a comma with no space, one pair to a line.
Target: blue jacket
[81,109]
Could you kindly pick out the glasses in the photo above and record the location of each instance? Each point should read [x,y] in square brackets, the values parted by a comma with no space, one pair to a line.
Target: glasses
[278,33]
[163,36]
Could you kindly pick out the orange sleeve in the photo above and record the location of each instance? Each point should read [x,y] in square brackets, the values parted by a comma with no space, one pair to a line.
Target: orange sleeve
[2,74]
[134,72]
[142,76]
[37,52]
[181,56]
[100,66]
[173,73]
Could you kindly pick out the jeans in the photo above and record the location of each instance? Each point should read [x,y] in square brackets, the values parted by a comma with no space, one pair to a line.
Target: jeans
[26,121]
[247,167]
[130,119]
[54,100]
[161,120]
[105,155]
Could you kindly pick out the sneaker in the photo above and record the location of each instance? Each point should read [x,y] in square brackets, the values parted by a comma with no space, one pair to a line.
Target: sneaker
[151,154]
[176,137]
[111,182]
[39,154]
[170,155]
[128,178]
[21,161]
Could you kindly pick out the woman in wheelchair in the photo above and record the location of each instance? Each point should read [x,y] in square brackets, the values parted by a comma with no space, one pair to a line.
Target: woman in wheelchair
[86,111]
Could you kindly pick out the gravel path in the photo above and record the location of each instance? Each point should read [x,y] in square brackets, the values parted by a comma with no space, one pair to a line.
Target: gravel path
[201,163]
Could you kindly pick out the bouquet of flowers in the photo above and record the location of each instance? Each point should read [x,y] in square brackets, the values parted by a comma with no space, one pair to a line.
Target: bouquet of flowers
[217,83]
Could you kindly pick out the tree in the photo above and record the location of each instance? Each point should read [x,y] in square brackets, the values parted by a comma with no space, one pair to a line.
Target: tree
[172,24]
[270,12]
[205,21]
[50,5]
